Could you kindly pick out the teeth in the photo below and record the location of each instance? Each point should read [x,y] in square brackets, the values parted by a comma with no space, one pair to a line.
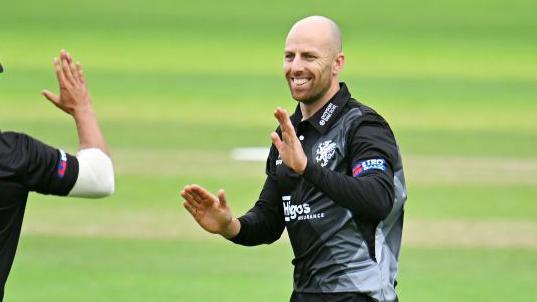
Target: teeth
[300,82]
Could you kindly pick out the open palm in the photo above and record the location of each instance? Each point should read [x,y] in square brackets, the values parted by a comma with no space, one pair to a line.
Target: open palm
[210,212]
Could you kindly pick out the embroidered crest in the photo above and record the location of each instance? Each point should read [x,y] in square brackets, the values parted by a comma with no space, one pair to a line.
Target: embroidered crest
[325,152]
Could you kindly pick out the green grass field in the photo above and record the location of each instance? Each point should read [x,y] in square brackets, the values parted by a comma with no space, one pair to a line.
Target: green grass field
[178,84]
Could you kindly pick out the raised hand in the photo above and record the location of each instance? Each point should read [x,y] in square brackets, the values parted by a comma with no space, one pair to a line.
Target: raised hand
[74,95]
[288,145]
[210,212]
[75,100]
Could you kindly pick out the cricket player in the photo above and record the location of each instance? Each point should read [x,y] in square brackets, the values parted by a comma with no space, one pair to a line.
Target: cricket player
[334,181]
[27,164]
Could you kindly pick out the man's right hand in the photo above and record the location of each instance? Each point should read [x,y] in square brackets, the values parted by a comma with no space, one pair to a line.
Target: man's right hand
[212,213]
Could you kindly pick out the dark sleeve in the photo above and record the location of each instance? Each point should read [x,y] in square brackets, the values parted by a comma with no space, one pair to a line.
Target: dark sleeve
[38,167]
[264,223]
[367,187]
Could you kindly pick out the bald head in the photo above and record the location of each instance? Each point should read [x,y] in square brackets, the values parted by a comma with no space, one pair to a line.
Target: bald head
[321,30]
[313,60]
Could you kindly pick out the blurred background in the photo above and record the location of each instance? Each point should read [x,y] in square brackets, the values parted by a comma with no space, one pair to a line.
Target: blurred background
[177,85]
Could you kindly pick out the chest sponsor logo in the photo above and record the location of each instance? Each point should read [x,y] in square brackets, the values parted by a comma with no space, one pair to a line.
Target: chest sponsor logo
[327,114]
[62,165]
[298,211]
[370,164]
[325,152]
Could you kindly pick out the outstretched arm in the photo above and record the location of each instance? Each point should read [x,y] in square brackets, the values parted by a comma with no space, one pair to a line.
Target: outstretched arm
[75,100]
[96,174]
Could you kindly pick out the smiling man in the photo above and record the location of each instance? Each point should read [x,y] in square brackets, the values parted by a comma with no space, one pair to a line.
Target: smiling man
[28,165]
[334,180]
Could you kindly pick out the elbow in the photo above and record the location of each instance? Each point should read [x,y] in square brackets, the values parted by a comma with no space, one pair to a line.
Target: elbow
[273,233]
[384,207]
[384,203]
[104,184]
[105,189]
[96,175]
[109,190]
[101,186]
[381,199]
[273,238]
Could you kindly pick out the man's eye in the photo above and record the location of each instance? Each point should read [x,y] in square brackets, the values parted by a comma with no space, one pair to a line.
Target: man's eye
[309,57]
[289,57]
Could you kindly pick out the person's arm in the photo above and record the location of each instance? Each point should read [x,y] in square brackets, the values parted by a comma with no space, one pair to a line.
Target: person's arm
[36,166]
[368,191]
[96,175]
[369,195]
[75,100]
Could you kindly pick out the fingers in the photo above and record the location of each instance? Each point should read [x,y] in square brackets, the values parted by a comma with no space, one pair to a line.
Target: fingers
[59,72]
[276,141]
[188,197]
[285,122]
[194,196]
[279,114]
[222,198]
[192,204]
[198,197]
[54,99]
[73,67]
[190,208]
[66,56]
[66,66]
[202,195]
[283,118]
[80,73]
[67,70]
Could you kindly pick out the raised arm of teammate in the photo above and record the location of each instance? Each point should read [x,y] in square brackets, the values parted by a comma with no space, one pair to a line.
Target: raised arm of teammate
[96,174]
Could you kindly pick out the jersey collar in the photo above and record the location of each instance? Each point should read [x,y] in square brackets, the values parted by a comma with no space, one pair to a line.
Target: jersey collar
[323,119]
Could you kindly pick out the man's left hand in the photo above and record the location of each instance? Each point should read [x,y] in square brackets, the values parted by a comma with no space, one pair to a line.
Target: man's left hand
[288,145]
[74,96]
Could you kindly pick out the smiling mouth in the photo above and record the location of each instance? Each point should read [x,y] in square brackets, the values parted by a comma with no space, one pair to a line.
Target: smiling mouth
[300,81]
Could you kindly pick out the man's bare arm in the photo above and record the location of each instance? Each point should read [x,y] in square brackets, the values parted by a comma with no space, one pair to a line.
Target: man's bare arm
[96,173]
[75,100]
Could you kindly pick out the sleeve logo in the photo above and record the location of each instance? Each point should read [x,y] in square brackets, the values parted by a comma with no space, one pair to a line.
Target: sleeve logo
[62,165]
[370,164]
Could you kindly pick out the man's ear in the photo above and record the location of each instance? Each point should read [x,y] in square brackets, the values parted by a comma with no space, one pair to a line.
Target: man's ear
[339,63]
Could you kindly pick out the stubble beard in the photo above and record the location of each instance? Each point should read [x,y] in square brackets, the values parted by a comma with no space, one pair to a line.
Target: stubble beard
[313,98]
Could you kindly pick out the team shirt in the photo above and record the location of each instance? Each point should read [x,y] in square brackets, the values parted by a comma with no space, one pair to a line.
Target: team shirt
[27,165]
[344,216]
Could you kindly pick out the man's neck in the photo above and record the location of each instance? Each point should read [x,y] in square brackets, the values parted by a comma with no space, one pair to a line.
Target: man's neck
[308,110]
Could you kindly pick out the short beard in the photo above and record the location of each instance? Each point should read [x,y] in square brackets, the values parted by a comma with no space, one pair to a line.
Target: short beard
[314,98]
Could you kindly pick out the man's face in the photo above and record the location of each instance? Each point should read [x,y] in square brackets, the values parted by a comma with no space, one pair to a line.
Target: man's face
[308,66]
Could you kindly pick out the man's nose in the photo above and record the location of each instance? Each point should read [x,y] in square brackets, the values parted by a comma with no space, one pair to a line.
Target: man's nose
[297,65]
